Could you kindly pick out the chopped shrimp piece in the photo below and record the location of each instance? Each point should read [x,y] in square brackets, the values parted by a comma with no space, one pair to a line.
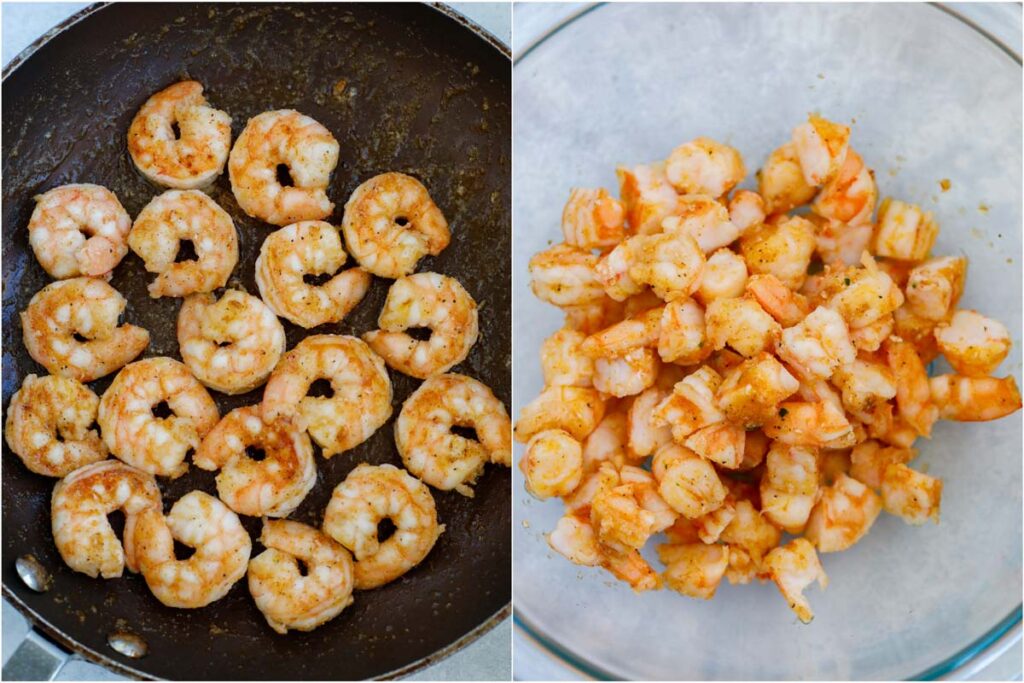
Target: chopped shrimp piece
[683,335]
[912,392]
[843,515]
[868,461]
[935,286]
[671,264]
[911,495]
[632,568]
[644,436]
[564,276]
[789,486]
[647,196]
[574,539]
[608,441]
[613,273]
[818,344]
[563,362]
[974,399]
[903,231]
[703,166]
[793,567]
[604,478]
[709,527]
[917,331]
[821,147]
[850,195]
[781,181]
[783,248]
[593,219]
[725,276]
[577,410]
[694,569]
[750,393]
[781,302]
[746,210]
[755,449]
[751,532]
[618,519]
[973,344]
[631,334]
[864,385]
[870,337]
[861,295]
[645,491]
[721,443]
[741,324]
[596,315]
[687,482]
[838,242]
[626,375]
[553,464]
[814,423]
[704,219]
[691,405]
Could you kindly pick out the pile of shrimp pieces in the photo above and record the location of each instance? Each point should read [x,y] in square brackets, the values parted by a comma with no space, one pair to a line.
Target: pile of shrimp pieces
[731,370]
[234,344]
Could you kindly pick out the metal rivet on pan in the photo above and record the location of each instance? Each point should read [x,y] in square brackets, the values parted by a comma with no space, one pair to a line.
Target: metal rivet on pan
[33,573]
[128,644]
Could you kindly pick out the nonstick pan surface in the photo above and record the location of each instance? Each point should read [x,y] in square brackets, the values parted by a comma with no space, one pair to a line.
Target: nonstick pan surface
[425,93]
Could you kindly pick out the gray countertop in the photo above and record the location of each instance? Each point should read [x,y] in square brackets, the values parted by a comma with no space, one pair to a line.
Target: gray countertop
[490,657]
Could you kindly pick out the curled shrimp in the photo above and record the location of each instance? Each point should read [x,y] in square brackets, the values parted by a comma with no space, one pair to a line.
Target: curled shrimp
[913,396]
[644,437]
[135,435]
[191,158]
[70,328]
[725,276]
[974,399]
[740,324]
[425,300]
[79,230]
[705,219]
[607,443]
[48,425]
[817,423]
[821,146]
[626,375]
[552,464]
[781,181]
[694,569]
[391,223]
[973,344]
[782,248]
[903,231]
[672,264]
[369,495]
[272,486]
[231,344]
[574,539]
[687,482]
[283,138]
[288,255]
[911,495]
[778,300]
[197,520]
[577,410]
[647,196]
[818,344]
[79,507]
[751,391]
[429,449]
[843,515]
[704,166]
[361,398]
[289,597]
[593,219]
[850,195]
[185,215]
[793,567]
[691,405]
[566,276]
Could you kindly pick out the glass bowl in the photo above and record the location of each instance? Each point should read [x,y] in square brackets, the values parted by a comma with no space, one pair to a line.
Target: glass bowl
[931,98]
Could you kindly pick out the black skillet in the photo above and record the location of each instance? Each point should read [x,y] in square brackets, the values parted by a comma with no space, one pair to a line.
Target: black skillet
[425,92]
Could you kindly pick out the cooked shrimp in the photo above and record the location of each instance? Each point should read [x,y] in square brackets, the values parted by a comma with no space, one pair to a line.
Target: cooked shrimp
[821,146]
[817,345]
[231,345]
[691,405]
[574,539]
[793,567]
[644,437]
[607,443]
[843,515]
[903,231]
[565,276]
[199,521]
[687,481]
[577,410]
[79,508]
[671,264]
[288,255]
[870,337]
[619,520]
[810,423]
[647,195]
[838,242]
[361,398]
[721,443]
[741,324]
[552,464]
[782,248]
[709,527]
[290,139]
[746,210]
[860,295]
[429,448]
[694,569]
[48,425]
[425,300]
[645,491]
[79,230]
[750,532]
[725,276]
[391,223]
[611,272]
[594,316]
[750,393]
[186,160]
[369,495]
[563,362]
[638,331]
[911,495]
[134,434]
[781,181]
[703,218]
[868,461]
[865,385]
[289,597]
[632,568]
[62,313]
[682,333]
[185,215]
[778,300]
[913,396]
[626,375]
[790,486]
[593,219]
[934,287]
[974,399]
[703,166]
[272,486]
[850,195]
[917,331]
[973,344]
